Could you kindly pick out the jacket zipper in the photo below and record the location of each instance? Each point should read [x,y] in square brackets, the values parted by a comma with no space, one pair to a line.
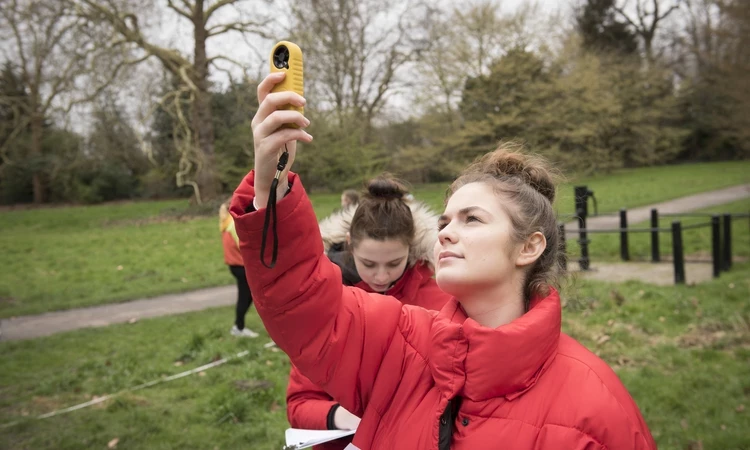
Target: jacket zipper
[448,423]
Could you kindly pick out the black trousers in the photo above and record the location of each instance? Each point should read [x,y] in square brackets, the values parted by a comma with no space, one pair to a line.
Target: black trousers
[244,297]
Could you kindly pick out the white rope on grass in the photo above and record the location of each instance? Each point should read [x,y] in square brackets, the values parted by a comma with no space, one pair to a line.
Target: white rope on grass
[135,388]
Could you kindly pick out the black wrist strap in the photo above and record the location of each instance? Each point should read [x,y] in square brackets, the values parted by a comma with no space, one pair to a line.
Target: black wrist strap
[271,211]
[330,423]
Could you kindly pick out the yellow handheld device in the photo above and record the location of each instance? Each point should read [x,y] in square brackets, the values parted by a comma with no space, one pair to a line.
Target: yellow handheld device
[287,57]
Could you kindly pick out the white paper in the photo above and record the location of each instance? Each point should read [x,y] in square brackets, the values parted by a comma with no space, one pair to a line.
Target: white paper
[298,439]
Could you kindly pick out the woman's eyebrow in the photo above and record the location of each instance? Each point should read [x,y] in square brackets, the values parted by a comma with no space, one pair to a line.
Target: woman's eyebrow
[463,212]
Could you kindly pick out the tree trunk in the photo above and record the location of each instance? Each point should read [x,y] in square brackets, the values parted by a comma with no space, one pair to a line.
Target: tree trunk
[37,124]
[202,117]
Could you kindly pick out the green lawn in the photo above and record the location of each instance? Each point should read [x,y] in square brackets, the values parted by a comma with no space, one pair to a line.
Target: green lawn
[629,188]
[61,258]
[683,352]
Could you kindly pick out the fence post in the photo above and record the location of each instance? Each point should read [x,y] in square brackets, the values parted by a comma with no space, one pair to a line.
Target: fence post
[727,242]
[624,254]
[716,245]
[677,255]
[563,246]
[584,243]
[655,254]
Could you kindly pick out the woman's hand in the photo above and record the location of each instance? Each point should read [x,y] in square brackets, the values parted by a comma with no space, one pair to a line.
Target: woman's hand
[269,138]
[344,420]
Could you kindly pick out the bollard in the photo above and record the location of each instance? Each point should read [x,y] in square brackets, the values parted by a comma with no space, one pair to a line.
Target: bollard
[677,254]
[581,195]
[727,242]
[583,241]
[624,253]
[716,245]
[563,247]
[655,254]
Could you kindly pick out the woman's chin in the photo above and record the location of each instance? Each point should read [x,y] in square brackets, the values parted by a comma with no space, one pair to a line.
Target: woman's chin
[451,283]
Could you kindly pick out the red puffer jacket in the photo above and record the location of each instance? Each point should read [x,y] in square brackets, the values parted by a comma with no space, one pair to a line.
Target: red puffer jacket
[308,405]
[426,380]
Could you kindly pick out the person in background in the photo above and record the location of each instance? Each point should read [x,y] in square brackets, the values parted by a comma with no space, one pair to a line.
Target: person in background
[233,259]
[349,197]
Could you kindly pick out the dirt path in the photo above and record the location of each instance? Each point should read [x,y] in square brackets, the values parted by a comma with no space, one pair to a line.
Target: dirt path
[28,327]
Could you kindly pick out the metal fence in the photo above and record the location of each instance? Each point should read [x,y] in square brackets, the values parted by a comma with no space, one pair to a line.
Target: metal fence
[720,224]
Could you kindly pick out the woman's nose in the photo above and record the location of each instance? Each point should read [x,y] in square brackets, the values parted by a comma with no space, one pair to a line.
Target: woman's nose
[447,234]
[381,275]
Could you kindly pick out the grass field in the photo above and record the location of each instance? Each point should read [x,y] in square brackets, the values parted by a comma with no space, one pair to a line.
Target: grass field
[61,258]
[683,352]
[633,187]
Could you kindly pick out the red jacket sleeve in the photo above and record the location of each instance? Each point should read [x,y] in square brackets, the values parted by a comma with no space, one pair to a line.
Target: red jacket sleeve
[324,327]
[307,405]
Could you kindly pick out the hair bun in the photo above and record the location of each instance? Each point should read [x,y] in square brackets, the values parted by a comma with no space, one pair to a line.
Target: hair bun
[386,188]
[508,161]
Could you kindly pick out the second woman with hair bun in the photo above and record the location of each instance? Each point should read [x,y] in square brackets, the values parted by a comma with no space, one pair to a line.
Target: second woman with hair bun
[383,246]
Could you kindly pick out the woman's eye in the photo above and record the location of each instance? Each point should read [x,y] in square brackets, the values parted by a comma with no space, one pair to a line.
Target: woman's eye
[441,226]
[369,266]
[472,219]
[394,265]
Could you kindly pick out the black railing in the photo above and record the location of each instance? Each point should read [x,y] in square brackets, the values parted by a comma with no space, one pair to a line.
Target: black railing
[721,239]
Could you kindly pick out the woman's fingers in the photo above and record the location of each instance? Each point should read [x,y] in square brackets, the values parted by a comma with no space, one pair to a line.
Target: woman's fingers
[265,86]
[276,119]
[275,101]
[271,101]
[276,140]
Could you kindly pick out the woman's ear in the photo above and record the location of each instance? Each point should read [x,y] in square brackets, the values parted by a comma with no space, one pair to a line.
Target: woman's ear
[348,239]
[532,249]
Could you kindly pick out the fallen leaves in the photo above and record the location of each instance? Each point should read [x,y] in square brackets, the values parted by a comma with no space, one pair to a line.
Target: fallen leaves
[252,385]
[113,443]
[617,297]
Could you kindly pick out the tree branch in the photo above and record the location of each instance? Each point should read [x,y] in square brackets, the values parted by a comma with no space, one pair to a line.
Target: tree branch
[215,7]
[182,12]
[19,41]
[171,59]
[99,89]
[242,27]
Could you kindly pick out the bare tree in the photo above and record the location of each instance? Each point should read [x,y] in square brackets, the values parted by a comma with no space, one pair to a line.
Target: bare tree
[355,50]
[646,20]
[197,147]
[715,59]
[466,41]
[58,55]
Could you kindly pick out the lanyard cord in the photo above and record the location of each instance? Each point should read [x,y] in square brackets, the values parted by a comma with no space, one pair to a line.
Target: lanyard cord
[271,211]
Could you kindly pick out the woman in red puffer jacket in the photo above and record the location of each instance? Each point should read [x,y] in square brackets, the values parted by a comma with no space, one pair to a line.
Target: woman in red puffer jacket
[491,370]
[385,245]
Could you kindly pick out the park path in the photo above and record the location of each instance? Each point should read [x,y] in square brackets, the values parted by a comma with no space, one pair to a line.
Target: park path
[29,327]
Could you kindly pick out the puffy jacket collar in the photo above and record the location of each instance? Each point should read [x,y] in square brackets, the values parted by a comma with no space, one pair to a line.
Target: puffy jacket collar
[407,286]
[481,363]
